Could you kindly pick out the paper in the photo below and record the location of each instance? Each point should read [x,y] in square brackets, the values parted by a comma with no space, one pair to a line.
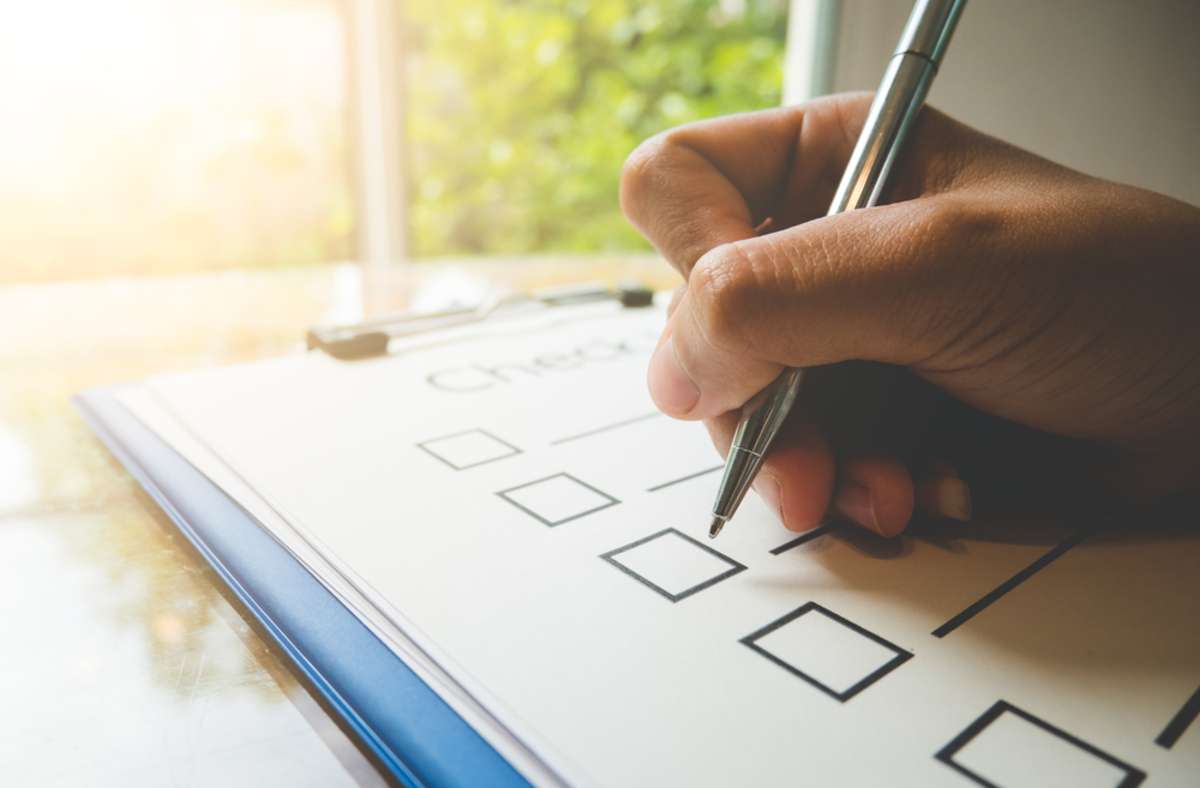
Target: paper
[505,508]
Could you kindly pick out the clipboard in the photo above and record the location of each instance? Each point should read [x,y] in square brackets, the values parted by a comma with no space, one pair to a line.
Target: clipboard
[413,734]
[421,732]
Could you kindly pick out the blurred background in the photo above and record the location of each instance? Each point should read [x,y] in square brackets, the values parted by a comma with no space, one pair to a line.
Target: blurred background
[142,137]
[148,137]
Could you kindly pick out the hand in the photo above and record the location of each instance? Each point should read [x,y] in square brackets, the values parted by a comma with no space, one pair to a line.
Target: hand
[1033,327]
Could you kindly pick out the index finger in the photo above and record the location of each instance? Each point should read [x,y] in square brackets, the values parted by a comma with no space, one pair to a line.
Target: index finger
[705,184]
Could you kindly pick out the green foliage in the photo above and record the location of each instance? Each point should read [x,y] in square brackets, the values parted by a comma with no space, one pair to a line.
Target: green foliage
[521,113]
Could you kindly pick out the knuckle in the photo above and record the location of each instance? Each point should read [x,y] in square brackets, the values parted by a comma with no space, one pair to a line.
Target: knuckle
[639,174]
[953,226]
[938,156]
[724,289]
[840,117]
[851,111]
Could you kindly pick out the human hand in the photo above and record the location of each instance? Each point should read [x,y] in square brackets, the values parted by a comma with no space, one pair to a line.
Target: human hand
[996,288]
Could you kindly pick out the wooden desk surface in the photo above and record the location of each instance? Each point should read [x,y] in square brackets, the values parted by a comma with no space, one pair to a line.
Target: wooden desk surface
[123,662]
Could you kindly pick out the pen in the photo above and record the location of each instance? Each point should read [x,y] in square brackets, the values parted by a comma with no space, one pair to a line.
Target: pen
[899,99]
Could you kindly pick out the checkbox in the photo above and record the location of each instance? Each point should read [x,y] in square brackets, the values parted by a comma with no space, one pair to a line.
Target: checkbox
[836,656]
[673,564]
[1010,746]
[467,449]
[557,499]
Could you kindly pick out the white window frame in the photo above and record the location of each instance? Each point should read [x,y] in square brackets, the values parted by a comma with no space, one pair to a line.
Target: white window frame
[376,90]
[375,87]
[811,43]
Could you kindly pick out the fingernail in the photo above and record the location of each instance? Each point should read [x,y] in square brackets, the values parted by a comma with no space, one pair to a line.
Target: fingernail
[673,391]
[853,500]
[946,496]
[771,491]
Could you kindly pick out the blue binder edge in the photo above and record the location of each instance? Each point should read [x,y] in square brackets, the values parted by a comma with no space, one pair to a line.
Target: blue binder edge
[412,732]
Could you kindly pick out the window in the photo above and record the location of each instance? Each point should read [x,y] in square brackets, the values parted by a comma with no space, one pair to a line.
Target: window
[144,137]
[150,137]
[519,114]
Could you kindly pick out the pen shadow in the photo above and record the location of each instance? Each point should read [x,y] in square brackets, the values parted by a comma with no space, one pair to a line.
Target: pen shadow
[1118,600]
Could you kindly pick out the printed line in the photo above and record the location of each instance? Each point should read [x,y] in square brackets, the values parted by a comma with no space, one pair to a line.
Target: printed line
[687,478]
[807,536]
[1011,583]
[606,428]
[1180,722]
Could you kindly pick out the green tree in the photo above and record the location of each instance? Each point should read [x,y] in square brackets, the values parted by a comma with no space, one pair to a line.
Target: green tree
[520,113]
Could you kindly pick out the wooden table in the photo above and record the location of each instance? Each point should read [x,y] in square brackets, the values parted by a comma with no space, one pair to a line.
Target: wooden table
[124,662]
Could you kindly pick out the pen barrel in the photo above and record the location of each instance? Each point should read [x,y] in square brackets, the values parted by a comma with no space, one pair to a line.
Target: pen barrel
[760,421]
[889,121]
[897,103]
[929,27]
[764,414]
[891,117]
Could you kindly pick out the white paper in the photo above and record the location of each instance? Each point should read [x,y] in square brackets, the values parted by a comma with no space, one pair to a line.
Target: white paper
[471,496]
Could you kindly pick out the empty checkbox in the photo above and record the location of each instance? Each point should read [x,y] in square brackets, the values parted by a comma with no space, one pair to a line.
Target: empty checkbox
[673,564]
[467,449]
[557,499]
[1010,746]
[834,655]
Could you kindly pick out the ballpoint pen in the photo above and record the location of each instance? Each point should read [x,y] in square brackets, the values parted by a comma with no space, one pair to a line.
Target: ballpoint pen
[899,99]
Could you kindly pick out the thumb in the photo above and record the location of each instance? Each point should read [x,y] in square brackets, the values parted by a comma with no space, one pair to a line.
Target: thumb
[872,284]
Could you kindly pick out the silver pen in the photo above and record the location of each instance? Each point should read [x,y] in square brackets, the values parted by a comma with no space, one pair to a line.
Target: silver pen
[899,99]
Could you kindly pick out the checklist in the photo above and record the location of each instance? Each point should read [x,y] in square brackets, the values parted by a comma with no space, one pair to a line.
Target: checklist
[468,448]
[507,511]
[832,654]
[1009,746]
[673,564]
[557,499]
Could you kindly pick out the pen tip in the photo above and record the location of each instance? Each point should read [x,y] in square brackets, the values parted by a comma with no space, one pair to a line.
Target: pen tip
[717,524]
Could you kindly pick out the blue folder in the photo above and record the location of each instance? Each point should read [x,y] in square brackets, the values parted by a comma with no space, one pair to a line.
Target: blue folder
[410,730]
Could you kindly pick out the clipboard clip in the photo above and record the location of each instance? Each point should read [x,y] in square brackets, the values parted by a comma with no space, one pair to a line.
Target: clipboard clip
[371,338]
